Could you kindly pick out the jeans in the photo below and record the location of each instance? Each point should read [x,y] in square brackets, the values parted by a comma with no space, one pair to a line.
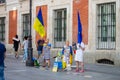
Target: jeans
[2,73]
[25,54]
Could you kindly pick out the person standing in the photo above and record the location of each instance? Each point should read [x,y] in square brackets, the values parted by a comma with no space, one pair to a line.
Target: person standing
[2,57]
[79,56]
[46,53]
[25,47]
[16,45]
[67,54]
[40,47]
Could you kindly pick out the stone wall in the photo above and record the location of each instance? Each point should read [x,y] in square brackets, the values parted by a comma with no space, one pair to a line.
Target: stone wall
[92,57]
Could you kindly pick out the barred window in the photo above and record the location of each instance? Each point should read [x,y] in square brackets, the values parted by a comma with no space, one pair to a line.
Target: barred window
[2,28]
[60,27]
[26,25]
[2,1]
[106,22]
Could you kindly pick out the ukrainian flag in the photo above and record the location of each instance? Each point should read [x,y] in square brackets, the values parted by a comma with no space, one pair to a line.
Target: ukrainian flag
[39,25]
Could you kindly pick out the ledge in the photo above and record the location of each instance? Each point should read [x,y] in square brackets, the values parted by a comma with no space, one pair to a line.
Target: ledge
[21,0]
[2,4]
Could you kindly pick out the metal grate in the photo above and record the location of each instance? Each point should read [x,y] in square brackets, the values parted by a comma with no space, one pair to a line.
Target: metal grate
[2,28]
[60,27]
[105,61]
[2,1]
[26,25]
[106,26]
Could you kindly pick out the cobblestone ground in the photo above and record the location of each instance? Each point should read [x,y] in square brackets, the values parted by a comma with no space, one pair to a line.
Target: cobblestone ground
[16,70]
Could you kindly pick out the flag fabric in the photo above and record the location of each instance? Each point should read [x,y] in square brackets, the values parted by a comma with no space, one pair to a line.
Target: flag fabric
[39,25]
[79,29]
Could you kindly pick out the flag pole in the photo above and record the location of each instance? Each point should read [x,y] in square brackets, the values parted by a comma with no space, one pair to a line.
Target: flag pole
[29,61]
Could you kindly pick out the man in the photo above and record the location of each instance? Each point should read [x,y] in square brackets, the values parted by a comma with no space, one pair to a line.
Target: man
[2,56]
[40,47]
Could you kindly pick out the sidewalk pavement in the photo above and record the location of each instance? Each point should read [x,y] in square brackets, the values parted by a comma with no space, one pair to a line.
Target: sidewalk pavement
[16,70]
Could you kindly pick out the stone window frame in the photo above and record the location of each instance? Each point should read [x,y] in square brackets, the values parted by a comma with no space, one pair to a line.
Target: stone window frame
[109,40]
[63,29]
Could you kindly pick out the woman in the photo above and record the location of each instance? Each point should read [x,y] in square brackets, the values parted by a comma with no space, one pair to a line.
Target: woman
[79,56]
[67,55]
[16,44]
[46,53]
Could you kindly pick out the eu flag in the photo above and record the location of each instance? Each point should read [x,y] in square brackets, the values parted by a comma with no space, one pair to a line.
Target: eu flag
[38,24]
[79,29]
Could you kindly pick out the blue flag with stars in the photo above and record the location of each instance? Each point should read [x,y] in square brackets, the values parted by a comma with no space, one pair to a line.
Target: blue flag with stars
[79,29]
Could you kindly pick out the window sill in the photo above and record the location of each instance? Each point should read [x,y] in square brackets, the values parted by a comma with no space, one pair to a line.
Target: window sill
[21,0]
[2,4]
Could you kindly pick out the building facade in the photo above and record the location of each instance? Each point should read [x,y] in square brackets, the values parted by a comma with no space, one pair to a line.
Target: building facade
[104,25]
[99,18]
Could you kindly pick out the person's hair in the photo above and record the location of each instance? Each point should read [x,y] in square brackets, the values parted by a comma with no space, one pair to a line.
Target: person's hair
[67,41]
[25,37]
[16,36]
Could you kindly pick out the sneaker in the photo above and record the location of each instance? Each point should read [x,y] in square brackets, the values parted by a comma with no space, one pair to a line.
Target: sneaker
[81,71]
[23,61]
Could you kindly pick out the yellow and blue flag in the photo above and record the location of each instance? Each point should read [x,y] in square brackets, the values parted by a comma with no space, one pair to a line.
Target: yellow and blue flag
[79,29]
[39,25]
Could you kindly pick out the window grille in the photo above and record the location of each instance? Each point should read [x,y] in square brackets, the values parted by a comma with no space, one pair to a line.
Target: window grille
[2,28]
[26,25]
[2,1]
[60,27]
[105,61]
[106,26]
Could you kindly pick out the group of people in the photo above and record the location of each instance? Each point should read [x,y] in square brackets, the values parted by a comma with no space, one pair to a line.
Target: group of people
[43,48]
[67,52]
[17,45]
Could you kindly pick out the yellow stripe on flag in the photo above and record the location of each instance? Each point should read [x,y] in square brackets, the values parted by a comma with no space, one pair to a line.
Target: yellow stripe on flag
[39,27]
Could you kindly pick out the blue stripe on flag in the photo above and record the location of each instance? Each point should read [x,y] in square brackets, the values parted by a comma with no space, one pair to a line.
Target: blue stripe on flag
[79,29]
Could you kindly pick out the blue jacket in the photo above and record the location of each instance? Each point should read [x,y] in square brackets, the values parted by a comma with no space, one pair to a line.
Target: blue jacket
[2,53]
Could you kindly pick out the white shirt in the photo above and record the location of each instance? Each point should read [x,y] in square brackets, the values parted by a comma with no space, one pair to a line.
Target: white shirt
[25,44]
[82,45]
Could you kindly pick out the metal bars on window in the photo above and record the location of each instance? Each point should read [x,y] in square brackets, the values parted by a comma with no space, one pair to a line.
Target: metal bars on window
[2,28]
[106,26]
[60,27]
[26,26]
[2,1]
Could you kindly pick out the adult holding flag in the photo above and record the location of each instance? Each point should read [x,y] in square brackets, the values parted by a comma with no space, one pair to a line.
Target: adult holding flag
[39,25]
[80,47]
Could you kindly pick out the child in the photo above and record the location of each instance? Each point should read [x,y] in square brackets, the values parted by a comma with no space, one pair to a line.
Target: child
[79,56]
[25,47]
[67,55]
[46,53]
[40,47]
